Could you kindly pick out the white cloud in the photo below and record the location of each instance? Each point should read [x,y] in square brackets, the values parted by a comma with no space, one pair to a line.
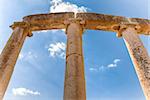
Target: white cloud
[116,61]
[61,6]
[93,69]
[114,64]
[97,69]
[57,50]
[103,68]
[24,92]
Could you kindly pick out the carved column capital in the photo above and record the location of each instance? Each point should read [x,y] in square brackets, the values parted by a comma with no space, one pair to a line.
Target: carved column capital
[122,27]
[78,21]
[23,25]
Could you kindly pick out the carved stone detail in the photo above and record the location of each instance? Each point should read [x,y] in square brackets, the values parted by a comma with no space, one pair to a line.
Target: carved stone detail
[24,25]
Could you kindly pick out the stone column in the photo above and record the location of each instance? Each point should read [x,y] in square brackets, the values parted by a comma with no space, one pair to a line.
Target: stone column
[74,88]
[139,57]
[9,57]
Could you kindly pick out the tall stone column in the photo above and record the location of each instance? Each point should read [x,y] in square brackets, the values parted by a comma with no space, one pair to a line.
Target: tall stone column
[139,57]
[9,57]
[74,88]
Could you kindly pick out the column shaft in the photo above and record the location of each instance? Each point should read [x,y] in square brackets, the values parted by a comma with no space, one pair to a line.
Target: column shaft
[139,57]
[9,57]
[74,88]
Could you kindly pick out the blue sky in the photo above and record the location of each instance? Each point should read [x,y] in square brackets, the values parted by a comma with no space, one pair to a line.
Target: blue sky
[39,71]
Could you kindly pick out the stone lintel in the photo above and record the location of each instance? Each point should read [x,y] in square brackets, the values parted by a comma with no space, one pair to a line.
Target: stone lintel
[104,22]
[92,21]
[49,21]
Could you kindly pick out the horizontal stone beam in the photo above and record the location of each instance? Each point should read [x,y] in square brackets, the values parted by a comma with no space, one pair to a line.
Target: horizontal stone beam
[113,23]
[48,21]
[92,21]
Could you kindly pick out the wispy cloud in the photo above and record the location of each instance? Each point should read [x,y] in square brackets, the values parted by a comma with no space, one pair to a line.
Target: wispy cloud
[57,50]
[27,56]
[32,58]
[97,69]
[61,6]
[93,69]
[102,68]
[24,92]
[114,64]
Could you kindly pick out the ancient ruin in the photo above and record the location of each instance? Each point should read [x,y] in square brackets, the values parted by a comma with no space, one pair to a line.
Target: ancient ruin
[75,24]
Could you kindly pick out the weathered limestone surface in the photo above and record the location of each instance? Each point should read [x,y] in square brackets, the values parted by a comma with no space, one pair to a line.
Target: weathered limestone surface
[104,22]
[48,21]
[140,58]
[74,88]
[9,57]
[93,21]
